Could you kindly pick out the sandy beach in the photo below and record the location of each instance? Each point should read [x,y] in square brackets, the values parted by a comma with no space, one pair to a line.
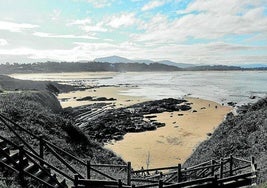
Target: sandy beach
[69,99]
[174,143]
[167,146]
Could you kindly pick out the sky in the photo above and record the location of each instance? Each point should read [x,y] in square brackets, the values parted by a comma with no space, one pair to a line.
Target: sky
[230,32]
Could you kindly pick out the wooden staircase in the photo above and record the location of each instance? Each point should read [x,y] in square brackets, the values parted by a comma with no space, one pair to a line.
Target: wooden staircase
[12,159]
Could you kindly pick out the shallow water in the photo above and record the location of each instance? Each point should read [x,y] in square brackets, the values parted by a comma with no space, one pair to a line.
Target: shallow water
[219,86]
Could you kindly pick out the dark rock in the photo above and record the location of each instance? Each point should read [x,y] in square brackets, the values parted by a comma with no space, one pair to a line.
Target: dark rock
[180,114]
[194,111]
[154,116]
[88,98]
[231,104]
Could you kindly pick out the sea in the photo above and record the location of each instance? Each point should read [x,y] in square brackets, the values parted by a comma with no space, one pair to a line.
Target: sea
[220,86]
[230,86]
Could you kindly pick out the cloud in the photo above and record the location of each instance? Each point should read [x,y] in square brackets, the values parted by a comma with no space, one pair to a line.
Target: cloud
[124,19]
[152,4]
[49,35]
[16,27]
[211,53]
[3,42]
[210,19]
[81,22]
[101,3]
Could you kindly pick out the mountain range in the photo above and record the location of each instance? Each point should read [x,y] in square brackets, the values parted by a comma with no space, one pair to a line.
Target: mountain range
[118,59]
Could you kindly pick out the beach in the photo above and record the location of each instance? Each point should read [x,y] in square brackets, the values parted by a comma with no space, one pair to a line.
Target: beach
[166,146]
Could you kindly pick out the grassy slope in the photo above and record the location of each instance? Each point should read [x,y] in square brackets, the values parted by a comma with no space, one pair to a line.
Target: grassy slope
[41,113]
[11,84]
[244,135]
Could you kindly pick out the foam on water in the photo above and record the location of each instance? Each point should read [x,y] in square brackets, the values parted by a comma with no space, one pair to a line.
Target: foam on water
[236,86]
[221,87]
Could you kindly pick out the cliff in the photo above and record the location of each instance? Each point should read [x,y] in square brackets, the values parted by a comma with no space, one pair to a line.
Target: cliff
[243,135]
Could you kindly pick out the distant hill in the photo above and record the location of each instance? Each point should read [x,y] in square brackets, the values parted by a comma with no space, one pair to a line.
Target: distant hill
[181,65]
[113,59]
[118,59]
[252,66]
[213,68]
[56,67]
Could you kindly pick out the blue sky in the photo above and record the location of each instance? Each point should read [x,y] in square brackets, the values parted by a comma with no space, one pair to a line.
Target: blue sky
[230,32]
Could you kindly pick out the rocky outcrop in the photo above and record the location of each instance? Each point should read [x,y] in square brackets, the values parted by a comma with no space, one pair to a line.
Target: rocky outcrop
[104,123]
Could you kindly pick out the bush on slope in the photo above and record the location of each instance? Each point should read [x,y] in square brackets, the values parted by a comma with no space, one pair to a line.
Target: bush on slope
[244,135]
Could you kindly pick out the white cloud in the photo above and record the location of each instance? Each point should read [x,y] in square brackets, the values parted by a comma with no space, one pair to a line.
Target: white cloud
[16,27]
[49,35]
[100,3]
[125,19]
[81,22]
[152,4]
[214,19]
[3,42]
[212,53]
[94,28]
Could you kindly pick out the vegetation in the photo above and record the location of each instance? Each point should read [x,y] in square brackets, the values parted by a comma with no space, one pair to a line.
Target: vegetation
[243,136]
[55,67]
[41,113]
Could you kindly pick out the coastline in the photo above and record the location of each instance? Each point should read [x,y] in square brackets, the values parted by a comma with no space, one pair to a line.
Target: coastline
[116,92]
[183,132]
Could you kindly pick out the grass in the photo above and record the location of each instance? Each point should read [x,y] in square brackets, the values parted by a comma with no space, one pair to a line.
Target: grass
[242,136]
[40,113]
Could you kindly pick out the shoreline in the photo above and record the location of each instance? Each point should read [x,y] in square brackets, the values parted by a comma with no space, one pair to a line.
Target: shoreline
[177,140]
[184,130]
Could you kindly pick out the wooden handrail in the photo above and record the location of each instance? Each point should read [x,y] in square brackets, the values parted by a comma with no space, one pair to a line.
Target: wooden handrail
[49,165]
[146,186]
[8,166]
[68,154]
[109,165]
[17,125]
[154,169]
[103,174]
[242,160]
[40,180]
[64,162]
[9,142]
[17,135]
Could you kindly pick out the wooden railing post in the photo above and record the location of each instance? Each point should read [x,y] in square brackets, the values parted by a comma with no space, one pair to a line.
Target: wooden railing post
[231,165]
[20,165]
[252,160]
[119,183]
[88,169]
[76,179]
[179,175]
[160,184]
[221,168]
[41,148]
[129,171]
[212,167]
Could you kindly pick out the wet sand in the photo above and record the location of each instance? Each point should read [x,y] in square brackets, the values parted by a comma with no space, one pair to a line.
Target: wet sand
[174,143]
[69,99]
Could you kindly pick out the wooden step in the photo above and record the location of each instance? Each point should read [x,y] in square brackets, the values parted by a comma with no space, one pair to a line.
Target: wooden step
[32,168]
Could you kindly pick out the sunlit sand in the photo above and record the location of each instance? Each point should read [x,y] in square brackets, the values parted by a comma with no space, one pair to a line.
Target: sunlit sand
[172,144]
